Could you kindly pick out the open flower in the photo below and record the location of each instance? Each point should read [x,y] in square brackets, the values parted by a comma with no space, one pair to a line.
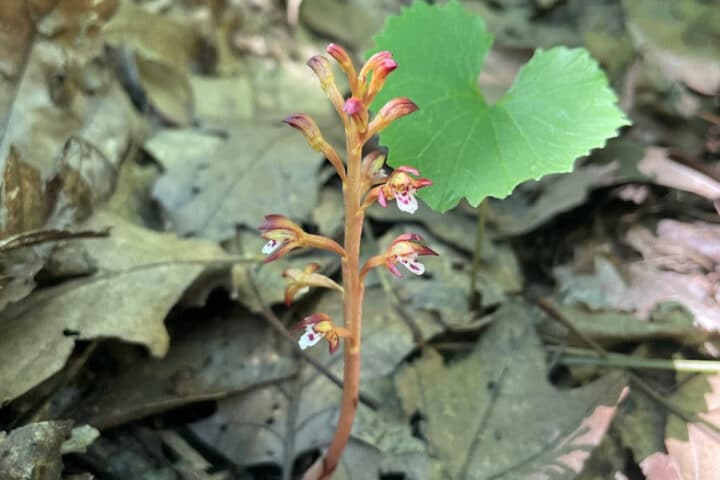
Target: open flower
[401,187]
[282,235]
[404,249]
[300,281]
[318,326]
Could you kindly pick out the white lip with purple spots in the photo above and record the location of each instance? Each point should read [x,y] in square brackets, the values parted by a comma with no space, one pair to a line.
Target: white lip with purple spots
[410,262]
[309,338]
[270,247]
[406,201]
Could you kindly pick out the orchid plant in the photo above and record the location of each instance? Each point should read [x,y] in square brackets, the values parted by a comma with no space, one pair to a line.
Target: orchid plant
[364,182]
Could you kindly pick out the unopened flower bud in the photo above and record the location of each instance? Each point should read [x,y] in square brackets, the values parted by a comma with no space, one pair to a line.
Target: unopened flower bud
[372,63]
[372,166]
[345,62]
[353,106]
[379,76]
[391,111]
[322,68]
[307,126]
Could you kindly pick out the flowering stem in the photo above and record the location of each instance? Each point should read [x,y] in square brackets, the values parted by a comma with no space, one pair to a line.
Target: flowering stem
[354,293]
[358,180]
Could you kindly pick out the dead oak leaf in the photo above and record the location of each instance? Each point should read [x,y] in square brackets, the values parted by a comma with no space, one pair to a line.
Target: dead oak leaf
[140,275]
[493,414]
[692,449]
[218,357]
[213,184]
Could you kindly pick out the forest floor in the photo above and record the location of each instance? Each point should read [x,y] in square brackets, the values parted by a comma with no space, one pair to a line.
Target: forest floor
[141,337]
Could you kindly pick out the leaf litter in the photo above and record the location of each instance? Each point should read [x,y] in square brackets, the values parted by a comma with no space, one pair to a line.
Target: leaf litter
[138,115]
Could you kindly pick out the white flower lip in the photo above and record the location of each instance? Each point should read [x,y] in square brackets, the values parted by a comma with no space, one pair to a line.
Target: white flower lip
[309,338]
[270,247]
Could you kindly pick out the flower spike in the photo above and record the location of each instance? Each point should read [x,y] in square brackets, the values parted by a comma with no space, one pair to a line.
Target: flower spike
[318,326]
[404,249]
[300,281]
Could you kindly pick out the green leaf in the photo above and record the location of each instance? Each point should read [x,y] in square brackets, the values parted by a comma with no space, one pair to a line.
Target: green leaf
[559,108]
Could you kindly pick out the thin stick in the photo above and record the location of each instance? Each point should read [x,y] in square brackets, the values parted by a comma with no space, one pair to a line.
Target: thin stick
[555,314]
[628,361]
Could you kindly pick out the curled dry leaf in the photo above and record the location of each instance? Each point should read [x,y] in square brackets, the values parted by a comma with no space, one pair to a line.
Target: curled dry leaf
[140,275]
[67,125]
[679,265]
[477,411]
[156,52]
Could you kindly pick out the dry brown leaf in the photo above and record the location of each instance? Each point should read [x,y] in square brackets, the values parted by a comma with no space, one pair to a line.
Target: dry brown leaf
[693,448]
[679,39]
[140,275]
[215,358]
[213,185]
[161,50]
[51,93]
[277,424]
[493,414]
[679,265]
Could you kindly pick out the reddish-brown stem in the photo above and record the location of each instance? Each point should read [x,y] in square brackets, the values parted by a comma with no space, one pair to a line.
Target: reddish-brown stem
[354,293]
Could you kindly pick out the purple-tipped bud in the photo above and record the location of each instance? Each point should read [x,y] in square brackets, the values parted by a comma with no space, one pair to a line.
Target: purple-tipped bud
[353,106]
[391,111]
[379,75]
[385,67]
[340,55]
[307,126]
[396,108]
[321,66]
[343,58]
[373,62]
